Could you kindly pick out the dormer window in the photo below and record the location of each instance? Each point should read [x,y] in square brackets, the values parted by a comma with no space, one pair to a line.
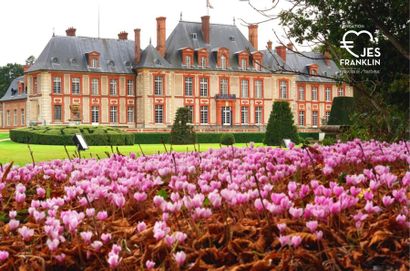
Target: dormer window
[202,58]
[257,61]
[243,64]
[203,62]
[188,61]
[187,57]
[194,36]
[93,59]
[313,69]
[223,62]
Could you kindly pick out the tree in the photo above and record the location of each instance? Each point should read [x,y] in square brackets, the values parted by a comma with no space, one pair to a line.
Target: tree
[7,74]
[280,125]
[30,60]
[181,132]
[382,97]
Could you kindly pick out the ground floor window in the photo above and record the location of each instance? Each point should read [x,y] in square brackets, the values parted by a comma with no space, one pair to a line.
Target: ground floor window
[190,113]
[130,114]
[57,112]
[113,114]
[95,114]
[258,114]
[159,113]
[15,117]
[23,117]
[8,118]
[226,115]
[204,114]
[315,118]
[244,115]
[302,118]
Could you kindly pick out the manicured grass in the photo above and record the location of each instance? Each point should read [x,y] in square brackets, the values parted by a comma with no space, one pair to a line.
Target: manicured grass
[4,135]
[19,153]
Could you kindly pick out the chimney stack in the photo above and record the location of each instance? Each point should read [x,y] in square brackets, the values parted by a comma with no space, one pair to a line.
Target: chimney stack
[123,35]
[253,35]
[281,51]
[269,45]
[70,32]
[137,45]
[205,28]
[161,36]
[327,57]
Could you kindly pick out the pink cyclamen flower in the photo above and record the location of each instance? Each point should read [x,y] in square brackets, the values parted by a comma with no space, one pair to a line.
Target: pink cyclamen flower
[319,235]
[116,249]
[113,260]
[26,233]
[296,212]
[102,215]
[296,241]
[14,224]
[86,236]
[281,227]
[52,244]
[284,240]
[20,197]
[150,264]
[105,237]
[312,225]
[387,200]
[90,212]
[3,255]
[140,196]
[41,192]
[180,236]
[12,214]
[180,257]
[60,257]
[96,245]
[401,219]
[141,226]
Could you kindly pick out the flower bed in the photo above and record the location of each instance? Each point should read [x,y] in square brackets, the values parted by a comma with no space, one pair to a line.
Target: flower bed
[337,207]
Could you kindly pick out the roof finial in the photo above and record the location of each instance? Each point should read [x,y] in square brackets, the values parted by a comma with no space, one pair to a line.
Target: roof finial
[180,16]
[233,20]
[54,32]
[149,40]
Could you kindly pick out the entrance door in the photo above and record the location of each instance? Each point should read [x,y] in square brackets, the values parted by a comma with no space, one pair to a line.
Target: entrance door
[226,115]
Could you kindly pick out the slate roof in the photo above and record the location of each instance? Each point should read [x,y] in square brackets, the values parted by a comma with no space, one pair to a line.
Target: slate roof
[150,58]
[12,91]
[69,54]
[221,35]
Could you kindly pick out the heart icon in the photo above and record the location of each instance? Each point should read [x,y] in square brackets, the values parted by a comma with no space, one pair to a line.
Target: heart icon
[348,44]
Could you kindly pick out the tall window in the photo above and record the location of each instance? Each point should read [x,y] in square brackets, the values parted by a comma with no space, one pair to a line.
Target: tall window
[8,118]
[315,118]
[95,114]
[35,85]
[159,113]
[94,63]
[188,86]
[57,112]
[223,86]
[15,117]
[130,114]
[190,113]
[158,85]
[23,117]
[188,61]
[130,87]
[203,87]
[328,94]
[340,92]
[57,85]
[75,85]
[314,93]
[327,116]
[244,115]
[283,90]
[301,93]
[258,114]
[244,88]
[204,114]
[243,64]
[203,62]
[113,114]
[258,89]
[113,87]
[302,118]
[223,62]
[94,86]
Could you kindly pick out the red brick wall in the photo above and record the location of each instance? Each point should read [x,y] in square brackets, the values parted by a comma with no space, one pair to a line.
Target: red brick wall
[10,106]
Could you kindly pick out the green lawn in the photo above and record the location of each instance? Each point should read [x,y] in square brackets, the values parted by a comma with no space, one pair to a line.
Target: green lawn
[4,135]
[19,153]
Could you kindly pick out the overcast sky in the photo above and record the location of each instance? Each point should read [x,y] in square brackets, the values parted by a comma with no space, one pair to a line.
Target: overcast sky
[26,25]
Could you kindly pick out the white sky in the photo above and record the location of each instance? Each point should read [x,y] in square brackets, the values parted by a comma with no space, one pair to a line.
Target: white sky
[27,25]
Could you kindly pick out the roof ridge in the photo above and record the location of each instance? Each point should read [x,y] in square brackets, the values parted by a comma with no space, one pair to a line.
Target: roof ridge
[87,37]
[183,21]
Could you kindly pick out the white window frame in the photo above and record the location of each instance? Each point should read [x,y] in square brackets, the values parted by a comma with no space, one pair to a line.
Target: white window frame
[130,114]
[243,64]
[158,85]
[60,115]
[224,86]
[245,88]
[130,87]
[340,92]
[203,62]
[301,118]
[283,89]
[8,116]
[258,115]
[23,117]
[204,114]
[15,117]
[203,87]
[190,113]
[188,86]
[188,61]
[315,118]
[314,93]
[244,115]
[113,87]
[57,85]
[258,89]
[75,85]
[223,62]
[159,113]
[95,86]
[95,114]
[113,114]
[328,94]
[301,93]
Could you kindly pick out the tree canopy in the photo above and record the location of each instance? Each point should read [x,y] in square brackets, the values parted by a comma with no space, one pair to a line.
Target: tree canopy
[7,74]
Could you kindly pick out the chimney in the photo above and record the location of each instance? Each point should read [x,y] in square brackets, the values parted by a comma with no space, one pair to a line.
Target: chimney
[26,67]
[253,35]
[137,45]
[123,35]
[161,35]
[290,46]
[205,28]
[327,57]
[70,32]
[269,45]
[281,51]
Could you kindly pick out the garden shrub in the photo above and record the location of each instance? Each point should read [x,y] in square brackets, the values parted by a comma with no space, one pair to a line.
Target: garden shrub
[181,132]
[61,135]
[342,109]
[280,125]
[227,139]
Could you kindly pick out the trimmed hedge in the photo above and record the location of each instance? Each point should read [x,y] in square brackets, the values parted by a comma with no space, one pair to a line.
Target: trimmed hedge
[227,139]
[342,108]
[57,135]
[155,138]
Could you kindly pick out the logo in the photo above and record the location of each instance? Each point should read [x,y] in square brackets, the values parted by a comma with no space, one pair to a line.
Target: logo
[369,55]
